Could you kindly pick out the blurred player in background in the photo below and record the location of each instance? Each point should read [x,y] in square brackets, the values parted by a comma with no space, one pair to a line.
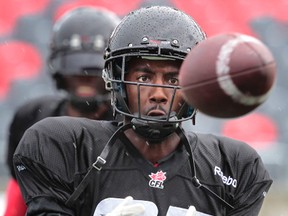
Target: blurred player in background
[76,61]
[147,165]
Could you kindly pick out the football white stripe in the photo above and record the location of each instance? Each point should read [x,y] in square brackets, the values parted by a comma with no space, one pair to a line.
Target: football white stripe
[223,75]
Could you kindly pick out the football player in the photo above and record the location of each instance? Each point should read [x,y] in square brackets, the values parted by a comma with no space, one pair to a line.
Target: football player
[76,62]
[147,164]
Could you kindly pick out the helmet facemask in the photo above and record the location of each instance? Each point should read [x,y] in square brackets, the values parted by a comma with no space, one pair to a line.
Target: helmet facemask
[86,93]
[153,128]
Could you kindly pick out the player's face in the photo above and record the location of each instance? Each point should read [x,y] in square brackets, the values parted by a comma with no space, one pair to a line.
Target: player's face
[154,101]
[85,86]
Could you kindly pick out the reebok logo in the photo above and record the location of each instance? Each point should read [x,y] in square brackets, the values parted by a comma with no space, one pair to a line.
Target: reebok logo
[226,180]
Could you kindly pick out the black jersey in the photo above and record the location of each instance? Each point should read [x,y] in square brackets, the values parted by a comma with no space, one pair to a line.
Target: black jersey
[30,113]
[54,155]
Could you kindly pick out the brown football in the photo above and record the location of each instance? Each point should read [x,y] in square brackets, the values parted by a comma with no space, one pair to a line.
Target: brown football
[228,75]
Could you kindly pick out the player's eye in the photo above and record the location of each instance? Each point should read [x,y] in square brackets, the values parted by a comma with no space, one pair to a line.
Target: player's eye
[173,81]
[143,78]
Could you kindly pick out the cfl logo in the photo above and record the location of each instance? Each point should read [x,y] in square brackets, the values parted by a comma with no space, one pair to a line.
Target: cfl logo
[156,184]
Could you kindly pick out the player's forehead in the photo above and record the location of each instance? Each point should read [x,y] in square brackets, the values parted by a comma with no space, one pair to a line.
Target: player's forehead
[148,63]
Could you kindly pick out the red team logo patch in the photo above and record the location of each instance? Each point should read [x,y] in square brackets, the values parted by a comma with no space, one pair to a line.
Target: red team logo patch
[157,179]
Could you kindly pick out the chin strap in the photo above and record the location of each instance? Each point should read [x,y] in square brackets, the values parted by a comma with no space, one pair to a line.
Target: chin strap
[96,167]
[153,131]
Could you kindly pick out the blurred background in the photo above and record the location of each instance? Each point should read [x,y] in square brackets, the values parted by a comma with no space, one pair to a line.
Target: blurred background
[25,29]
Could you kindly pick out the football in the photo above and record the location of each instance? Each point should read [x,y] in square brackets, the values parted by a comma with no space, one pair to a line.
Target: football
[228,75]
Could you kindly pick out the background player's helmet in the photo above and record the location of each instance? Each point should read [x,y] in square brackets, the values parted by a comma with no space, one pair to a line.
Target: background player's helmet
[77,47]
[154,32]
[78,42]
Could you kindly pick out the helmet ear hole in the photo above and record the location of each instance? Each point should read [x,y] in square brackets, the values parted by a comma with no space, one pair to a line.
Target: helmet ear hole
[108,86]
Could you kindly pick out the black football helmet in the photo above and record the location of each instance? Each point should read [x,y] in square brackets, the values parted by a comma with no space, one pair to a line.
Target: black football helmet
[157,32]
[78,42]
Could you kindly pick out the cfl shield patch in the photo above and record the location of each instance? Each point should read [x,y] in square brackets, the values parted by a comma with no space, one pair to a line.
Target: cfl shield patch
[157,179]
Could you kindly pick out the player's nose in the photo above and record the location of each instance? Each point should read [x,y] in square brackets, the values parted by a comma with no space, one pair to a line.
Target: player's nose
[158,95]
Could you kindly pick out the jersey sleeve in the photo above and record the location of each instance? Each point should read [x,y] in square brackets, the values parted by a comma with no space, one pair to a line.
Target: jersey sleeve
[25,116]
[253,185]
[44,170]
[20,122]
